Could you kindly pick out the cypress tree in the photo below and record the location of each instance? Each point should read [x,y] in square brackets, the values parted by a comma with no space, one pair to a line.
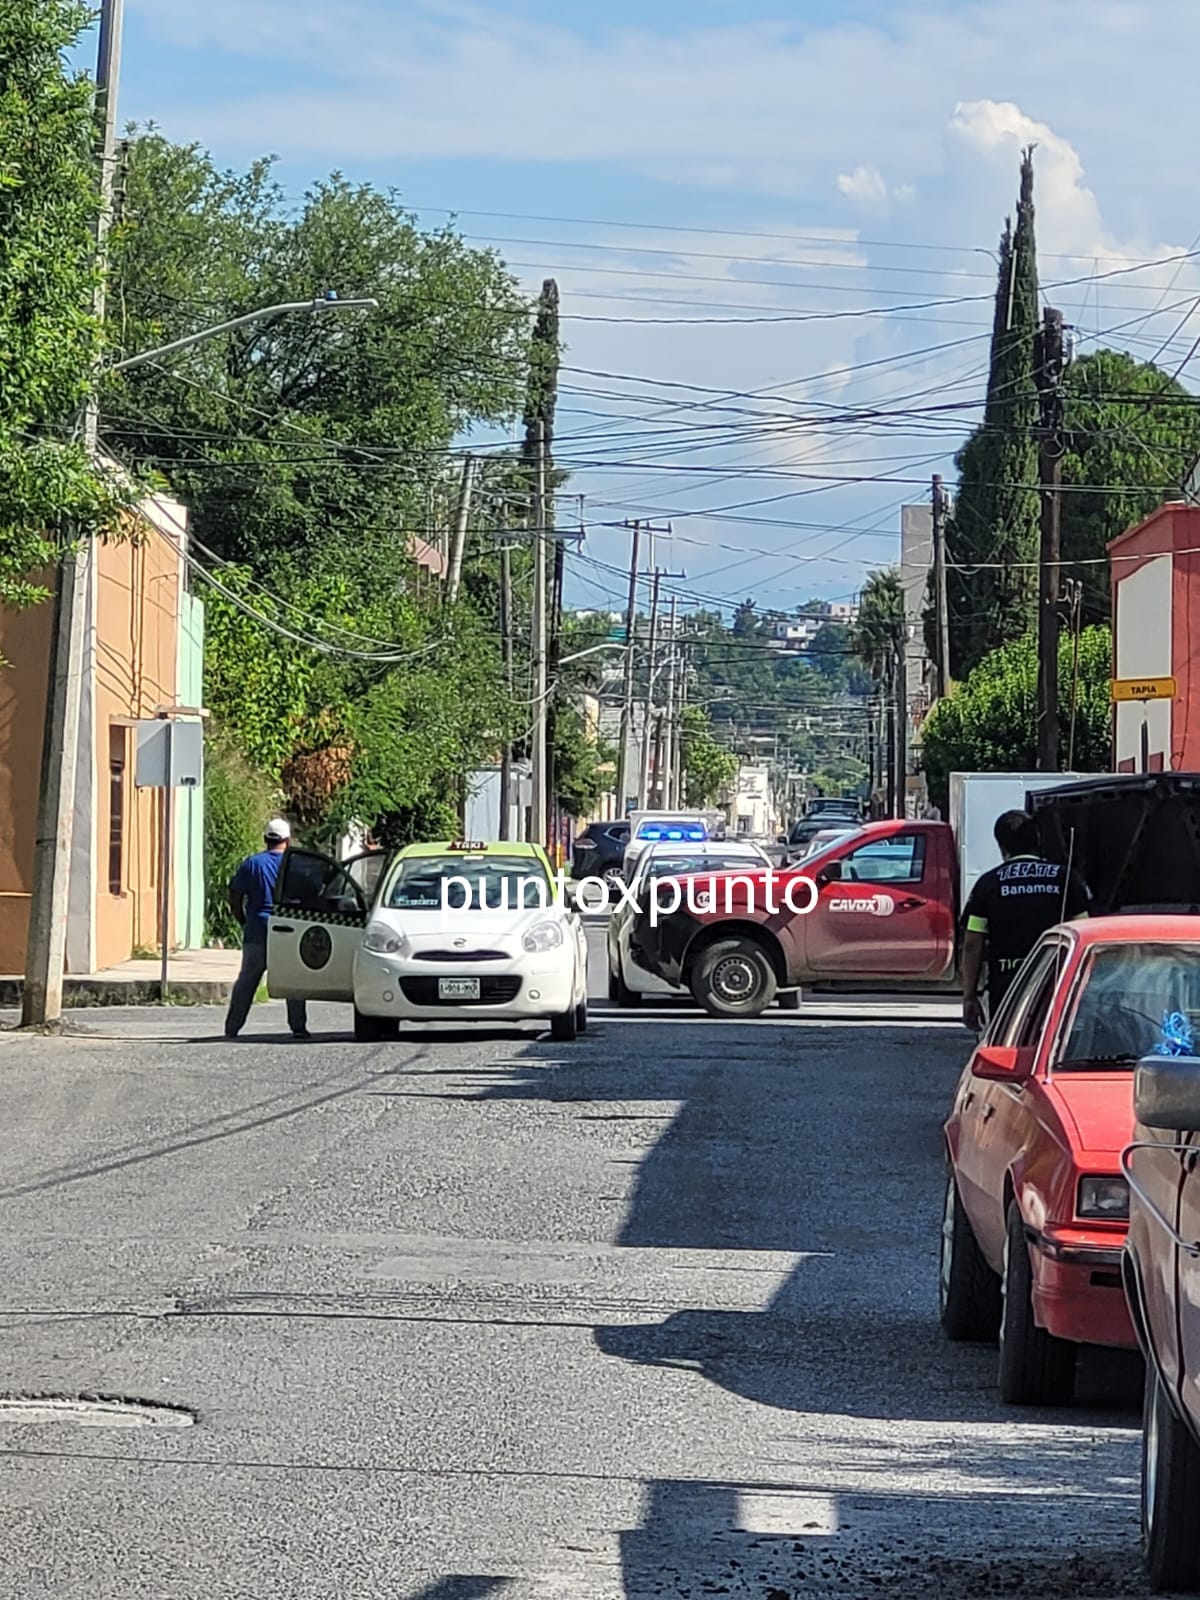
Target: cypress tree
[995,516]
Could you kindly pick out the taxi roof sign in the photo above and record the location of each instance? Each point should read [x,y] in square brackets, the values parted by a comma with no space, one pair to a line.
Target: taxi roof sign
[475,846]
[1125,689]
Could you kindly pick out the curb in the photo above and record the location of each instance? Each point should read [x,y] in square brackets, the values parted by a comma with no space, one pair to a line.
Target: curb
[82,992]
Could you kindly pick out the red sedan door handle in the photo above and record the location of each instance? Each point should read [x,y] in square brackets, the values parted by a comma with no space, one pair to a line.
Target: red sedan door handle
[911,904]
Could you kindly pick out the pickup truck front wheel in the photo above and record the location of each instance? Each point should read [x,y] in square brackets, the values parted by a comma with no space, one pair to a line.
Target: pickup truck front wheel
[733,978]
[1170,1487]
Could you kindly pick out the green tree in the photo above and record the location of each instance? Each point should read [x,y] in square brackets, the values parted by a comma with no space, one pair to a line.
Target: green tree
[988,723]
[995,520]
[309,450]
[309,435]
[49,338]
[707,766]
[1133,435]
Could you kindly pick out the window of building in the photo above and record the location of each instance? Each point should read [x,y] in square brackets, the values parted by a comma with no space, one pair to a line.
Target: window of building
[118,743]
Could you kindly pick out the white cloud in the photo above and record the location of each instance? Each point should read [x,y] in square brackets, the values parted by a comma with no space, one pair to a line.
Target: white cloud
[864,183]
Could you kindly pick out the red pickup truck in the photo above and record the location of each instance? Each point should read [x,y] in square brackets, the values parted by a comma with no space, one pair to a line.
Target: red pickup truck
[885,900]
[885,906]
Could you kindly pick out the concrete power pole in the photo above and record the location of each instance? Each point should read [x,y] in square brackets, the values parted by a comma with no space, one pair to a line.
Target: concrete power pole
[46,945]
[1049,363]
[506,657]
[538,820]
[644,794]
[454,576]
[667,776]
[941,598]
[627,695]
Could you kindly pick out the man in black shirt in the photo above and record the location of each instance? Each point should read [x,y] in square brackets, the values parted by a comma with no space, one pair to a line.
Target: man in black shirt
[1010,908]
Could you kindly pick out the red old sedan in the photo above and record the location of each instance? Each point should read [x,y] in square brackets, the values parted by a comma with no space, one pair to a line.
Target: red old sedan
[1037,1206]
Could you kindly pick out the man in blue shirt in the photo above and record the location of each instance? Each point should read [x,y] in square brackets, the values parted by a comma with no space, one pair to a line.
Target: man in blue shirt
[251,896]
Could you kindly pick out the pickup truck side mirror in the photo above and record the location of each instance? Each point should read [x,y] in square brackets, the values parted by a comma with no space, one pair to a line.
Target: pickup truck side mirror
[1002,1063]
[1166,1092]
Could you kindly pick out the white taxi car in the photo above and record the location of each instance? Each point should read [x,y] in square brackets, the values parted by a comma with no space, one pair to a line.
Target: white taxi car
[627,982]
[442,932]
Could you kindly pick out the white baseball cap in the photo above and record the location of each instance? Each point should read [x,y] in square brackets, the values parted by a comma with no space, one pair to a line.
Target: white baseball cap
[277,828]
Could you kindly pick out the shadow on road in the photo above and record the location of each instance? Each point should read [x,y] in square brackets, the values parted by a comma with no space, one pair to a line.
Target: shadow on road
[825,1144]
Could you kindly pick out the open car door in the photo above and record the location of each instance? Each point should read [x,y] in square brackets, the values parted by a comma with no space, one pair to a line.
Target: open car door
[317,923]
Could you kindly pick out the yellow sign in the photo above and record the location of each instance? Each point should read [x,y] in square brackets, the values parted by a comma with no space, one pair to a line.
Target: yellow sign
[1143,688]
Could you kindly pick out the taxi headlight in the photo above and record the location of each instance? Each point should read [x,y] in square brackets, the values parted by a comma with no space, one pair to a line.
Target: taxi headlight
[543,936]
[1103,1199]
[381,940]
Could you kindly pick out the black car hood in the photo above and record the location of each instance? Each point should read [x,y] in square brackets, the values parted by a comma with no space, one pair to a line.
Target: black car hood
[1134,839]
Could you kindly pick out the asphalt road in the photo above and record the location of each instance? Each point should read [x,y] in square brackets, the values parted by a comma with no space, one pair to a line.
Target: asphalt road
[479,1315]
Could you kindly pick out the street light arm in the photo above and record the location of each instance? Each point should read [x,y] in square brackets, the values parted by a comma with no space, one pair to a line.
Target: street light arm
[261,315]
[611,644]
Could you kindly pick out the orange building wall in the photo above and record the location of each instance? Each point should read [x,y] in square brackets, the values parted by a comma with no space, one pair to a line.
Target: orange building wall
[137,597]
[137,622]
[25,646]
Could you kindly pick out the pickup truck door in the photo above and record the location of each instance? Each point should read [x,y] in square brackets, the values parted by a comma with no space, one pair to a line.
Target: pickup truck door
[888,913]
[1187,1266]
[317,924]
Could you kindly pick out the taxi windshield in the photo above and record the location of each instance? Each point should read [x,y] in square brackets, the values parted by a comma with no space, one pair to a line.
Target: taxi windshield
[469,883]
[1135,999]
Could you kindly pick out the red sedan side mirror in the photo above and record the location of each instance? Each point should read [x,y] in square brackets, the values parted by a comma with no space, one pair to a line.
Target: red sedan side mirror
[1002,1063]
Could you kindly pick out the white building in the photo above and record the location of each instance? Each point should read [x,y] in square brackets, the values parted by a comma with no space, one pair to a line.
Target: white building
[752,803]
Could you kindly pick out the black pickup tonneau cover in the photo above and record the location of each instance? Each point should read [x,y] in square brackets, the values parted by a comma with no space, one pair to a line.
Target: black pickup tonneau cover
[1134,838]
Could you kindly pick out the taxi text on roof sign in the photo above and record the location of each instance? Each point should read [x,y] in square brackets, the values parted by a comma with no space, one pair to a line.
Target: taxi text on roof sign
[1143,688]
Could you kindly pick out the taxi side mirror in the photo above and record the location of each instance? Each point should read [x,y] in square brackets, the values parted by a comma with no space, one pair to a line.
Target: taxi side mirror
[1002,1063]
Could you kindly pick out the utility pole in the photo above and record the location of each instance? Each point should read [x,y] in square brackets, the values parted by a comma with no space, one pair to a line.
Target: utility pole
[901,715]
[506,657]
[1075,599]
[648,716]
[627,694]
[678,785]
[941,600]
[1049,362]
[454,576]
[538,820]
[49,905]
[652,671]
[667,775]
[555,652]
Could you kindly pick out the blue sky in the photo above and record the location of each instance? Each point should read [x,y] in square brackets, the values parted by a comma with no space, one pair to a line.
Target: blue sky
[752,199]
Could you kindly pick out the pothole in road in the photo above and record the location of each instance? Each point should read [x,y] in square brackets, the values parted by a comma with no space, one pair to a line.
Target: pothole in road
[92,1411]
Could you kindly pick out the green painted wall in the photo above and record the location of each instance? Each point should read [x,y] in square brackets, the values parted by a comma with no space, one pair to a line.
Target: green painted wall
[189,803]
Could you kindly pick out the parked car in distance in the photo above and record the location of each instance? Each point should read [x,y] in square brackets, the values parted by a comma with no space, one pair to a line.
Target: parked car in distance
[834,806]
[599,850]
[827,835]
[1162,1275]
[627,982]
[1036,1202]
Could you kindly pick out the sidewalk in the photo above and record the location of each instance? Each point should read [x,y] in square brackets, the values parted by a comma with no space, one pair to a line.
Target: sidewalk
[195,977]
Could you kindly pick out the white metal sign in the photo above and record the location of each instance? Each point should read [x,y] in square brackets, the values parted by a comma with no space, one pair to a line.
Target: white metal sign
[170,755]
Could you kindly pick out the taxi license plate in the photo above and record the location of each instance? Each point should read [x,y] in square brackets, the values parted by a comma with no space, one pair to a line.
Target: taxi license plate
[458,988]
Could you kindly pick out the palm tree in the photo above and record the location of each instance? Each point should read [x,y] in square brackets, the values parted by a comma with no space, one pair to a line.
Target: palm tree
[879,638]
